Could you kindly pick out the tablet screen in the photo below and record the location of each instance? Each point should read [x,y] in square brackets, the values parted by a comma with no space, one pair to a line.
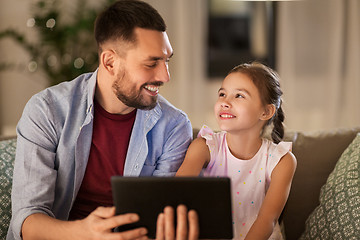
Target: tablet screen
[147,196]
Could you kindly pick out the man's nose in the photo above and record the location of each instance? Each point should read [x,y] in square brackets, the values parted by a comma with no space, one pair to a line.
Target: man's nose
[162,72]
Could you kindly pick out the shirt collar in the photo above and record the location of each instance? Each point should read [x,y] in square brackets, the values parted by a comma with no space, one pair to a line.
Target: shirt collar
[91,91]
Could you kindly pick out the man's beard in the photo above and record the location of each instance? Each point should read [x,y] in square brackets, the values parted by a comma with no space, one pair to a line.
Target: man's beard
[133,97]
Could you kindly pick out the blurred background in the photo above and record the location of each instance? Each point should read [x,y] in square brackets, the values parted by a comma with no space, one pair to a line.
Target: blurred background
[313,44]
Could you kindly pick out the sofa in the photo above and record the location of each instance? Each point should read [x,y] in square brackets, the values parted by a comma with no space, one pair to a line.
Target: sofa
[324,202]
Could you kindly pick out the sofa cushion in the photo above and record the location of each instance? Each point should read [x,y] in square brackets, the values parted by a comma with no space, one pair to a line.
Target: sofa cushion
[338,214]
[317,154]
[7,157]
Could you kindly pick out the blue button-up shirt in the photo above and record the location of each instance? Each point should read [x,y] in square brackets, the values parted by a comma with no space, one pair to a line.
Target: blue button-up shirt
[54,139]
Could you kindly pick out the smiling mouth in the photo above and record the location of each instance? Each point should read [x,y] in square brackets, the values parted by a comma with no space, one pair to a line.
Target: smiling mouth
[152,89]
[226,116]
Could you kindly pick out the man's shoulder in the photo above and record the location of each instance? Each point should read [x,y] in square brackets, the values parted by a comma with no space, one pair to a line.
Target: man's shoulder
[79,85]
[66,90]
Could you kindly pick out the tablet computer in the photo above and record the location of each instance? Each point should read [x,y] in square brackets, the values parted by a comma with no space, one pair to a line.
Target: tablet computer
[147,196]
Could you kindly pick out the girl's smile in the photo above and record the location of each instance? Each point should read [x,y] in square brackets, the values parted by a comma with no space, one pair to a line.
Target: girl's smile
[225,116]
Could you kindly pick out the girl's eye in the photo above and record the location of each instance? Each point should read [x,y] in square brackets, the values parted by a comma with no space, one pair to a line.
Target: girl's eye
[239,96]
[221,94]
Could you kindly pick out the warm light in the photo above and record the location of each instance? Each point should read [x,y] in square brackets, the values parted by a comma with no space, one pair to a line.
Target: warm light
[50,23]
[52,60]
[32,66]
[78,63]
[30,22]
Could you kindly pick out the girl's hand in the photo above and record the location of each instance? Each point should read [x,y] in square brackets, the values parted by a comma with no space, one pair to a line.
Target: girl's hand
[187,224]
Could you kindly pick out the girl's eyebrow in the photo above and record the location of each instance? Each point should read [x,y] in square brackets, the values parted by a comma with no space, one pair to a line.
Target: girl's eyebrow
[243,90]
[238,89]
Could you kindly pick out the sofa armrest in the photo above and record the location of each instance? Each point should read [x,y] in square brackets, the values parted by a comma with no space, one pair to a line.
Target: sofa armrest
[7,157]
[2,138]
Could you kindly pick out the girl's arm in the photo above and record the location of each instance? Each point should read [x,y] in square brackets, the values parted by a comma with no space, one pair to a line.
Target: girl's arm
[275,198]
[197,157]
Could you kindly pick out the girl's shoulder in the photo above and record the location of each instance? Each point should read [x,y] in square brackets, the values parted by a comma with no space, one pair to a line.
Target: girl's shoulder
[275,152]
[214,140]
[277,149]
[207,133]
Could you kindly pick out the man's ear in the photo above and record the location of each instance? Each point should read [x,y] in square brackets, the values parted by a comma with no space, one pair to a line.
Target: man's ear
[108,58]
[269,112]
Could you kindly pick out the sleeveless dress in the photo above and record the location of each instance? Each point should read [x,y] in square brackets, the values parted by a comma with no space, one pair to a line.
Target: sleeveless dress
[250,179]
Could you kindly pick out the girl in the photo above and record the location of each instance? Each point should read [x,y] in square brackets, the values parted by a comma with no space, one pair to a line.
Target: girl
[261,171]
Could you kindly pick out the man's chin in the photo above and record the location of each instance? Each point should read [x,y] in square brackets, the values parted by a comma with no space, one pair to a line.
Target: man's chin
[150,106]
[143,103]
[146,105]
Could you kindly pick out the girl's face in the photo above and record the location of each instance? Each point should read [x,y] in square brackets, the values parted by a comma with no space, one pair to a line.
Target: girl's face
[239,105]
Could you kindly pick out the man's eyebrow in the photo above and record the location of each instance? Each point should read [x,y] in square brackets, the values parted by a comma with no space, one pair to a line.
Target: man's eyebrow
[154,58]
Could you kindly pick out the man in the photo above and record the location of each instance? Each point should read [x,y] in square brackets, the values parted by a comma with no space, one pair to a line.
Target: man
[74,136]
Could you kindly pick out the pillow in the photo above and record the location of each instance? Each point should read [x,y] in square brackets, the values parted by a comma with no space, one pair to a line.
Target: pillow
[338,214]
[7,157]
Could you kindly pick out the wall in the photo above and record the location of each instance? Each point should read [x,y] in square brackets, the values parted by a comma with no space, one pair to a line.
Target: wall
[318,59]
[189,89]
[187,86]
[16,86]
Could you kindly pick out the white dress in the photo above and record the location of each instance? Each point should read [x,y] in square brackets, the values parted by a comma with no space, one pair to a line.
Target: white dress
[250,179]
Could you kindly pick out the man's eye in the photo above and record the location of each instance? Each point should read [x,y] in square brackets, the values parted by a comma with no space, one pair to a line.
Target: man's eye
[152,65]
[221,94]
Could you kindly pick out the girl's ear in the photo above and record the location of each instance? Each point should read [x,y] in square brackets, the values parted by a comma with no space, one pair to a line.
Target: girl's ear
[108,58]
[269,112]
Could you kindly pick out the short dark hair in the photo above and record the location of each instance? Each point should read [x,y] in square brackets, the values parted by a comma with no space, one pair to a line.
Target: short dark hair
[120,19]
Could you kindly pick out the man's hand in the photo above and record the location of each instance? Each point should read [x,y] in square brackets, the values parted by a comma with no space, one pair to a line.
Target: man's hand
[98,225]
[187,224]
[101,221]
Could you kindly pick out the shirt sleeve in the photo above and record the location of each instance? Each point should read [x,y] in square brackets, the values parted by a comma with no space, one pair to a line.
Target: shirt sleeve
[175,147]
[276,152]
[34,174]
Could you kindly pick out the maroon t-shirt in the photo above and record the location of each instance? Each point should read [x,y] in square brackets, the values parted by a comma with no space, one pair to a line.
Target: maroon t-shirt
[110,140]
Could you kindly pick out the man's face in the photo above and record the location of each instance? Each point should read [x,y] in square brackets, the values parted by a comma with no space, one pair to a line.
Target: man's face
[143,69]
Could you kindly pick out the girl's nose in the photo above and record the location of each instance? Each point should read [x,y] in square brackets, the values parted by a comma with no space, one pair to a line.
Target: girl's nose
[225,104]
